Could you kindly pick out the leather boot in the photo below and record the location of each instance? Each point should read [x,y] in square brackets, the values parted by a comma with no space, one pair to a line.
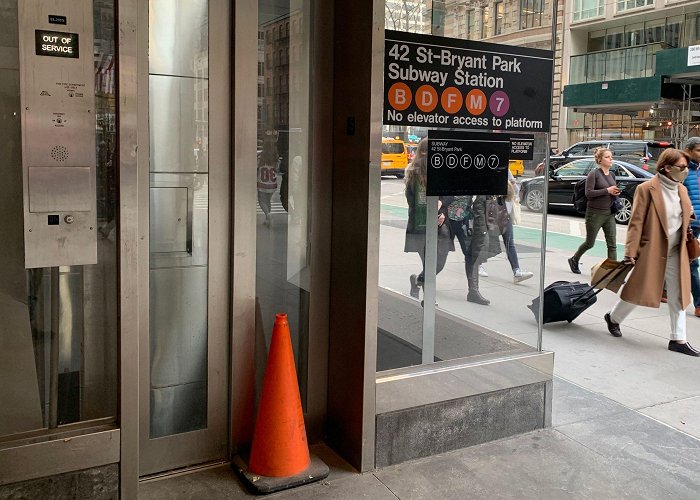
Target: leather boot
[473,283]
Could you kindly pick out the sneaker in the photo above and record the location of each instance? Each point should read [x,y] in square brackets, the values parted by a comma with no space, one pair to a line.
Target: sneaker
[684,348]
[573,264]
[520,275]
[415,287]
[482,271]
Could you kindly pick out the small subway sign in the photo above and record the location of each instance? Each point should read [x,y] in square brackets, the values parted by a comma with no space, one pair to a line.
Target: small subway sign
[467,163]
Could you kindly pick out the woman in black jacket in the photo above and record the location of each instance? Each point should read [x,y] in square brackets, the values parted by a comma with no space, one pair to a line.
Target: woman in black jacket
[417,212]
[473,220]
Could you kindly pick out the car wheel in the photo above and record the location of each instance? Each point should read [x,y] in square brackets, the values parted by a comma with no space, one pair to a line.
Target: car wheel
[399,176]
[535,200]
[623,216]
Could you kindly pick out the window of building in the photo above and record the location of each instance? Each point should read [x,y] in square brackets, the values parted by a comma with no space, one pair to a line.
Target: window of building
[498,26]
[615,38]
[623,5]
[596,41]
[584,9]
[484,21]
[634,35]
[654,31]
[469,22]
[692,29]
[531,13]
[674,28]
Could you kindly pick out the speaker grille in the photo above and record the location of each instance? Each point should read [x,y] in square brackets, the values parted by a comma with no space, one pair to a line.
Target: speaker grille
[59,153]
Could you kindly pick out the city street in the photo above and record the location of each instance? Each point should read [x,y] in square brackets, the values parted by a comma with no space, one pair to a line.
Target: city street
[636,371]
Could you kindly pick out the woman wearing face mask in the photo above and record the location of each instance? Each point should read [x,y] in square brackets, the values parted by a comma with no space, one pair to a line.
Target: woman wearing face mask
[655,245]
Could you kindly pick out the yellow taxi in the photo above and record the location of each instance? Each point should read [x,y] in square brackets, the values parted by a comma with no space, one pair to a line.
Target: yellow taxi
[394,157]
[516,167]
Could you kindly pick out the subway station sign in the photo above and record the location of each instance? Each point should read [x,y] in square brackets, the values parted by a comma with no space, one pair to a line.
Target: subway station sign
[433,81]
[467,163]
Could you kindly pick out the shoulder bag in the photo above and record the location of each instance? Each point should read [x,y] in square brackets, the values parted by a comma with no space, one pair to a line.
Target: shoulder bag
[693,245]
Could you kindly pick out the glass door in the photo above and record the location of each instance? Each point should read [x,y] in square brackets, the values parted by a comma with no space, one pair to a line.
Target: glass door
[184,362]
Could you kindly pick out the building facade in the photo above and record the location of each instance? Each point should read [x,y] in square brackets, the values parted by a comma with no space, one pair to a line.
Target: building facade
[627,71]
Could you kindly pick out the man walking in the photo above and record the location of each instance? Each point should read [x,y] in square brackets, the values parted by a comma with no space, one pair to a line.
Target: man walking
[692,182]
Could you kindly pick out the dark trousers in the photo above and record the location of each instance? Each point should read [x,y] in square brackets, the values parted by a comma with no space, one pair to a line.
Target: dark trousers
[695,275]
[595,221]
[465,242]
[443,249]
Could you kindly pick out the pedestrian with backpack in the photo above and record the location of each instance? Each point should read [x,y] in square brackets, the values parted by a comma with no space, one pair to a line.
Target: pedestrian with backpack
[601,195]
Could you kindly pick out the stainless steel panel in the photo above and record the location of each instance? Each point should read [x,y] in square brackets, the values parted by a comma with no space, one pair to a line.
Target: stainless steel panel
[33,461]
[178,124]
[243,138]
[71,301]
[197,228]
[133,223]
[178,409]
[178,326]
[210,210]
[60,189]
[172,223]
[58,131]
[178,38]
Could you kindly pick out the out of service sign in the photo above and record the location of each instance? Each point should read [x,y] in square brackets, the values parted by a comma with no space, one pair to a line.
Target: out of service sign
[433,81]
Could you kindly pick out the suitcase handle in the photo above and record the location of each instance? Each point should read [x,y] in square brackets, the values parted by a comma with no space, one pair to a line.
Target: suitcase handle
[620,266]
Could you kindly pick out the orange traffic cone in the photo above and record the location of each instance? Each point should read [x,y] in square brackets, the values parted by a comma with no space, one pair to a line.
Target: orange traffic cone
[280,457]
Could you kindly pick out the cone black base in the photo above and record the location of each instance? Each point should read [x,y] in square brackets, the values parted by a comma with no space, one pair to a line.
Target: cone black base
[263,485]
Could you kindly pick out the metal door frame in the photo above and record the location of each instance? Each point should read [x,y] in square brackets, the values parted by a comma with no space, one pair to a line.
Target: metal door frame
[211,443]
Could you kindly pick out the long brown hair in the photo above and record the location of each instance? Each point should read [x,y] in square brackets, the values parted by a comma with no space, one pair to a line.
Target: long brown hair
[417,168]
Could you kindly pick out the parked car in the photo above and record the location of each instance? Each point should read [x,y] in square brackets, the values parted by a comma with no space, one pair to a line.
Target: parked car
[561,186]
[394,157]
[636,152]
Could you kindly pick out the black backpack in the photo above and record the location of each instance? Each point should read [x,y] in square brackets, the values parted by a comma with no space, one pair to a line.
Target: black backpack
[579,197]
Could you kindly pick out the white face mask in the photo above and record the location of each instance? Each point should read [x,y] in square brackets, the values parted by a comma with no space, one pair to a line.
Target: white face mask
[677,174]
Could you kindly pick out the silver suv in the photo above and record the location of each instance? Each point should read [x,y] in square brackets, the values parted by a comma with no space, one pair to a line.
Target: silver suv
[641,153]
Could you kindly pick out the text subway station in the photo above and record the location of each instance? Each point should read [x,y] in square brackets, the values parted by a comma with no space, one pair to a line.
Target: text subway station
[443,82]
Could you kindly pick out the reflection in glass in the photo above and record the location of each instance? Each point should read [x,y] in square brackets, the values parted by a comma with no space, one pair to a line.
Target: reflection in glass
[283,271]
[179,214]
[58,361]
[487,267]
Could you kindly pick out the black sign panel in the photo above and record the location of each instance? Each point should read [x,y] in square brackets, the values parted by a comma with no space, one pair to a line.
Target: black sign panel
[467,163]
[522,147]
[439,82]
[57,19]
[57,44]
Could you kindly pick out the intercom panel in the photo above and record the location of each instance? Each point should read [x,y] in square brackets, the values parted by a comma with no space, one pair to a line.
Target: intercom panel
[58,132]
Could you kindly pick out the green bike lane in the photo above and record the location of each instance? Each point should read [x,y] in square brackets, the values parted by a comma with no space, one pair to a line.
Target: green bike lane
[527,235]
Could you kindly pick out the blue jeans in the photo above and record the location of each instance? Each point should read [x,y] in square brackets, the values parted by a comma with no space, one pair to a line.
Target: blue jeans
[695,275]
[507,236]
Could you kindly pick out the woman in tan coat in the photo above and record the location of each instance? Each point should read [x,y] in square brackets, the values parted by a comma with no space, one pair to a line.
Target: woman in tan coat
[656,247]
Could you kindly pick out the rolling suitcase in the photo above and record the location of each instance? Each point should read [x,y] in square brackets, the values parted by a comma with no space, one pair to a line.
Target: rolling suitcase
[566,300]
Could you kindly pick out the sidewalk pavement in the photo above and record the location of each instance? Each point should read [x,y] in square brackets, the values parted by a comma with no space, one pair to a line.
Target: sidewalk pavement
[626,411]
